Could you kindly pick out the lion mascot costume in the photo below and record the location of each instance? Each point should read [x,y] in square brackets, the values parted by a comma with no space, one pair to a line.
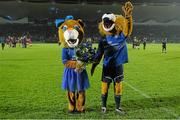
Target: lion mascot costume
[114,29]
[75,78]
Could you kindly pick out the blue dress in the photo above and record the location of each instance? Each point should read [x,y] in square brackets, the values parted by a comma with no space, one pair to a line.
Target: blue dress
[73,81]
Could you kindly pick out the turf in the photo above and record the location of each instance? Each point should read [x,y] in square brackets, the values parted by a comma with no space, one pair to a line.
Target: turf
[30,84]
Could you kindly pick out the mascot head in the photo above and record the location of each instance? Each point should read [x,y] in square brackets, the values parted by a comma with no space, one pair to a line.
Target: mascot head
[112,24]
[108,20]
[70,31]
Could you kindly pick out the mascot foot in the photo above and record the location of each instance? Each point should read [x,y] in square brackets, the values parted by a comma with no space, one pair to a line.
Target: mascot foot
[103,109]
[71,112]
[83,111]
[120,111]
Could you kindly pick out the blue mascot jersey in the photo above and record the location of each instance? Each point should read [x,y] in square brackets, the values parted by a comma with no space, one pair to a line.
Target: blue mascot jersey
[114,49]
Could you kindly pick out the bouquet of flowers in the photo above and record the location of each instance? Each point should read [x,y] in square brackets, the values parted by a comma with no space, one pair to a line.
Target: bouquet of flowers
[85,52]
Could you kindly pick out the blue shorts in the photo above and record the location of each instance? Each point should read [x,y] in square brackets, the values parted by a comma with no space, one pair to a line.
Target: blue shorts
[112,73]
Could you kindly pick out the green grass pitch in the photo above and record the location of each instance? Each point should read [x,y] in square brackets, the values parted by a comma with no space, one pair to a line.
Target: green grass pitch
[30,84]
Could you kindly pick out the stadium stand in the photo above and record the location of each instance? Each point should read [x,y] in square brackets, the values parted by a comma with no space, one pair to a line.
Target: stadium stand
[151,17]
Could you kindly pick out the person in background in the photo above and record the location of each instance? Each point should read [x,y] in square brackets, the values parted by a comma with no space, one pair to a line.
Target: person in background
[133,45]
[24,42]
[2,40]
[164,43]
[136,43]
[14,41]
[9,41]
[19,41]
[144,42]
[28,40]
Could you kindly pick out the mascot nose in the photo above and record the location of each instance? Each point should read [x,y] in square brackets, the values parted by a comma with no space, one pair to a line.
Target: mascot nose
[70,29]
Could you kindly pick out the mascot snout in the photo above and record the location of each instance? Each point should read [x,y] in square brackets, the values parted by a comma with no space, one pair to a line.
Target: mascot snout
[71,37]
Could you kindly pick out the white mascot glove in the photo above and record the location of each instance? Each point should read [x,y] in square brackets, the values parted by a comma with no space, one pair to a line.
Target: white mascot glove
[80,66]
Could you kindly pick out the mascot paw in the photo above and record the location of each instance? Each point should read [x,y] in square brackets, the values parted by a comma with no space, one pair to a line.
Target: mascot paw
[127,9]
[80,66]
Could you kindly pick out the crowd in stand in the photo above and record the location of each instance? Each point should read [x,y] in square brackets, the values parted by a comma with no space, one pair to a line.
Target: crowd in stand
[155,34]
[41,33]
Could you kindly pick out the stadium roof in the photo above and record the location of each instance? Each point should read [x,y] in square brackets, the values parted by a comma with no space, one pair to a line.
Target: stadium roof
[89,10]
[95,1]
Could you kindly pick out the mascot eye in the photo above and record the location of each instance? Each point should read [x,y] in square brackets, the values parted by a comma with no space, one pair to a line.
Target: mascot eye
[76,27]
[64,28]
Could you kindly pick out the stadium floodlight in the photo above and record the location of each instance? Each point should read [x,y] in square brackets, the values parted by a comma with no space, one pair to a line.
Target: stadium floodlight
[83,3]
[19,1]
[53,2]
[99,11]
[114,4]
[174,4]
[144,5]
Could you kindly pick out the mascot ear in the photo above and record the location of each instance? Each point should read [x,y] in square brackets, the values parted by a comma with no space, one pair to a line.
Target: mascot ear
[80,22]
[58,22]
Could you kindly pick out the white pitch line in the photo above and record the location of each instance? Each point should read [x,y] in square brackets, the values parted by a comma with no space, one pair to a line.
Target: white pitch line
[147,96]
[137,90]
